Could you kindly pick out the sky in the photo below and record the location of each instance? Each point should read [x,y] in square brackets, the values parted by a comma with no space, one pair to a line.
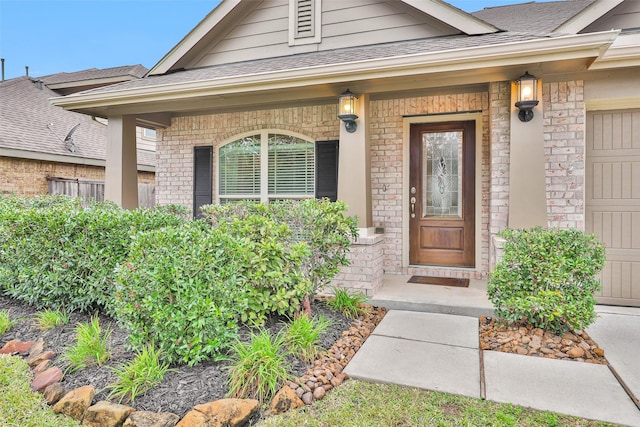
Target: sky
[52,36]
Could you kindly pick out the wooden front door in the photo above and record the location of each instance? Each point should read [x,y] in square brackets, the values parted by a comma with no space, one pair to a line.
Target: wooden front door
[442,194]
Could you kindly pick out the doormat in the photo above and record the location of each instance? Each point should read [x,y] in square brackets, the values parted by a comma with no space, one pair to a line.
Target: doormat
[441,281]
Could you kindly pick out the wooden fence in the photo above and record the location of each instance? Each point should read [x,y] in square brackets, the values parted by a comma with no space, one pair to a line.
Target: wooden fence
[94,190]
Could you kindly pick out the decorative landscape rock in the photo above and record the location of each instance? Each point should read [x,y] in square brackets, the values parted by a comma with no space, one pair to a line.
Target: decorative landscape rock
[76,402]
[325,374]
[15,346]
[39,358]
[221,413]
[151,419]
[42,366]
[106,414]
[54,393]
[46,378]
[527,340]
[285,400]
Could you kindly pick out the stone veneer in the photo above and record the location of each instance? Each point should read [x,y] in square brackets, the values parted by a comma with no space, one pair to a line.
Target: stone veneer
[29,177]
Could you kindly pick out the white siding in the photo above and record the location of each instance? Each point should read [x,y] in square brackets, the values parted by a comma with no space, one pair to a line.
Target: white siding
[624,16]
[265,30]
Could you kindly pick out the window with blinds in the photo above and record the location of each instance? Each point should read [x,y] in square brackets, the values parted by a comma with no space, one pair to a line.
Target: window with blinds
[267,167]
[239,169]
[291,167]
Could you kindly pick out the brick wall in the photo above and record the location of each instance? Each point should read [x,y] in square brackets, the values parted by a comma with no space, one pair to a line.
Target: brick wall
[564,146]
[387,169]
[29,177]
[174,177]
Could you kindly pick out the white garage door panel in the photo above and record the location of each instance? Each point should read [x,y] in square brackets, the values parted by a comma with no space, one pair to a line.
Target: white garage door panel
[613,200]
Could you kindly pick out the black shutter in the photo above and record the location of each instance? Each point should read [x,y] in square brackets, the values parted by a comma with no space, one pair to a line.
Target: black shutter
[202,178]
[327,170]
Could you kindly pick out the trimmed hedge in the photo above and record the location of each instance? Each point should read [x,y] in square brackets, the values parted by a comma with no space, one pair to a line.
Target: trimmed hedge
[547,278]
[56,253]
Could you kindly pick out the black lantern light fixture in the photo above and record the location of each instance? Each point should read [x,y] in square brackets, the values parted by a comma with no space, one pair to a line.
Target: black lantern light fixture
[347,107]
[527,90]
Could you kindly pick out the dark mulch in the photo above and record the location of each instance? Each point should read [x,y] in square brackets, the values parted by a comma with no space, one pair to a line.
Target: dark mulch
[182,388]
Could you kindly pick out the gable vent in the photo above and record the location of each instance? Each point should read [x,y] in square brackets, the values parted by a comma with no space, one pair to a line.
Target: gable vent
[304,18]
[304,21]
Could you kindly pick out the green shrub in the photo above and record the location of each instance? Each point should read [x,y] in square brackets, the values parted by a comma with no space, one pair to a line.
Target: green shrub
[182,289]
[547,278]
[55,253]
[259,368]
[321,224]
[143,373]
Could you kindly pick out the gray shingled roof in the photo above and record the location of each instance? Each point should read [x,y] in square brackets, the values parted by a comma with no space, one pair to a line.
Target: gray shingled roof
[25,111]
[136,71]
[535,18]
[337,56]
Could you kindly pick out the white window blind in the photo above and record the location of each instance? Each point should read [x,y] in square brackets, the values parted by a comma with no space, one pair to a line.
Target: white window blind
[266,167]
[239,166]
[291,167]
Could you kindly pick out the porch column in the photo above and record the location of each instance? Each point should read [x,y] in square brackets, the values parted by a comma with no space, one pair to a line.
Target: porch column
[527,184]
[121,174]
[354,168]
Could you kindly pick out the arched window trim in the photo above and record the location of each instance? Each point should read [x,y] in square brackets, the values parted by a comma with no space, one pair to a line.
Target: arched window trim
[264,195]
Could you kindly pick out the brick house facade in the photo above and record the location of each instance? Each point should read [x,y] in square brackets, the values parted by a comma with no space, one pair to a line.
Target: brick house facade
[429,74]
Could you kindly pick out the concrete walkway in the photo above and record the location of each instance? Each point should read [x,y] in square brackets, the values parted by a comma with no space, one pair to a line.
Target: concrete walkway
[441,352]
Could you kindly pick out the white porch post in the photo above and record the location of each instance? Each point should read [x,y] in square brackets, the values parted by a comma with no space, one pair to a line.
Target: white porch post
[121,174]
[527,187]
[354,168]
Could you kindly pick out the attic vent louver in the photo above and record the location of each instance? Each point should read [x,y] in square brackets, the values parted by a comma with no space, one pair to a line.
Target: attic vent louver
[304,22]
[304,17]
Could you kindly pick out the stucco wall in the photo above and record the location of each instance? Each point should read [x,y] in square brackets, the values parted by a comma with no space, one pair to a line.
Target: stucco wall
[29,177]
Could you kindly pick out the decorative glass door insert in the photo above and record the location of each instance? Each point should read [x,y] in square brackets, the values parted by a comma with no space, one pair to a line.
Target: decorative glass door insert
[442,181]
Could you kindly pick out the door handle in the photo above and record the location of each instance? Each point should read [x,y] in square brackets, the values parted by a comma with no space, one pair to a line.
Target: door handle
[413,207]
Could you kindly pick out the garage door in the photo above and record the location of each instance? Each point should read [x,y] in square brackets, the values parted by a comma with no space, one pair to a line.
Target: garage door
[613,200]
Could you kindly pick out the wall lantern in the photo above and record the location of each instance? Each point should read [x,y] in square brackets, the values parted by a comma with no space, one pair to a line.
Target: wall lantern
[347,107]
[527,90]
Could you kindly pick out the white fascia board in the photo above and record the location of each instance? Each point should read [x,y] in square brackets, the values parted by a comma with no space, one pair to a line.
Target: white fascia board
[587,16]
[194,36]
[524,52]
[59,158]
[453,16]
[623,52]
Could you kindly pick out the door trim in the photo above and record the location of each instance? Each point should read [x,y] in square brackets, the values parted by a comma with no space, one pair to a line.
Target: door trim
[406,136]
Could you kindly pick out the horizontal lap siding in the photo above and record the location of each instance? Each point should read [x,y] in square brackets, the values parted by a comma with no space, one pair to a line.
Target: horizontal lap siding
[264,32]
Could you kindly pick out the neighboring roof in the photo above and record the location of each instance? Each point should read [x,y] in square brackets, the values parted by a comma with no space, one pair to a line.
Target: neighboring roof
[31,127]
[533,18]
[67,83]
[127,71]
